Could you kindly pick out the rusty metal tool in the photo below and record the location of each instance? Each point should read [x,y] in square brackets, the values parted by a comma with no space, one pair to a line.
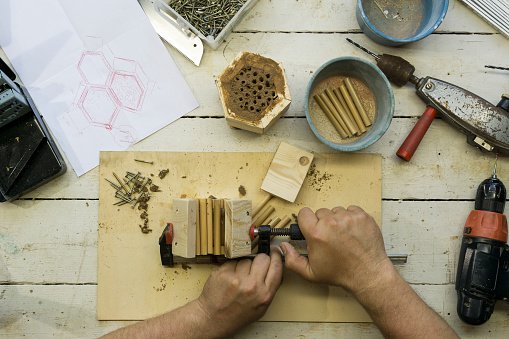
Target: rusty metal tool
[486,125]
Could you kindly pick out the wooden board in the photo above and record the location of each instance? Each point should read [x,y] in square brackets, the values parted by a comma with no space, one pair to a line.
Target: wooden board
[133,285]
[184,219]
[237,216]
[287,172]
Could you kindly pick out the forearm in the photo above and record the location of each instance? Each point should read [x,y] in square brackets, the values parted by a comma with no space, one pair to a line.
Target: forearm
[399,312]
[188,321]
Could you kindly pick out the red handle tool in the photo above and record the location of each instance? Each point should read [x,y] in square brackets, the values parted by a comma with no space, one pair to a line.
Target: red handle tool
[412,141]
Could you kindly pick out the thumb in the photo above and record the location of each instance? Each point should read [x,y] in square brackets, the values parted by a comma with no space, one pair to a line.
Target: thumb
[296,262]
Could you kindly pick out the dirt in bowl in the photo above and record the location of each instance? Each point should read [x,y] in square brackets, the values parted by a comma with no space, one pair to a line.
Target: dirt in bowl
[320,120]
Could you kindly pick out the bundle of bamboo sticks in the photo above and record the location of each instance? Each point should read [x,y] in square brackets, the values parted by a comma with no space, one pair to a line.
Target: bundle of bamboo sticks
[344,109]
[210,227]
[262,215]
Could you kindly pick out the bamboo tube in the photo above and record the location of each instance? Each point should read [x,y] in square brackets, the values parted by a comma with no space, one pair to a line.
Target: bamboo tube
[357,102]
[203,227]
[266,221]
[331,118]
[336,115]
[258,208]
[352,127]
[198,230]
[222,226]
[210,227]
[217,226]
[263,215]
[351,105]
[342,101]
[274,222]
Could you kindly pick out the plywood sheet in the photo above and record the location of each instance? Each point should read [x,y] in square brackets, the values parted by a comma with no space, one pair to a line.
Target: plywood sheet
[132,284]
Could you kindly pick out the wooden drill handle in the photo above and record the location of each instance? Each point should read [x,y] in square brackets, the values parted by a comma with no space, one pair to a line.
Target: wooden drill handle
[412,141]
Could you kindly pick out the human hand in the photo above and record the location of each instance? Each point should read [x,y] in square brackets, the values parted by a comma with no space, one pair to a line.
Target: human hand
[345,248]
[239,292]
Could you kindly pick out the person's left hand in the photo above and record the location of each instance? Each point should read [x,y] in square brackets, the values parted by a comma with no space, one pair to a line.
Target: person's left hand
[239,292]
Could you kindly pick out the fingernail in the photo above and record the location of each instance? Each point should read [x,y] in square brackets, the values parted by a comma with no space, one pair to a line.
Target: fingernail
[283,247]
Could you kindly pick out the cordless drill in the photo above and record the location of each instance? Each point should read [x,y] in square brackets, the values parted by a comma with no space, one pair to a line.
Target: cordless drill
[482,277]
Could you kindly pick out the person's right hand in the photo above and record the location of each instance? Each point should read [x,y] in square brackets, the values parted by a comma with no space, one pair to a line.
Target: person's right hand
[345,248]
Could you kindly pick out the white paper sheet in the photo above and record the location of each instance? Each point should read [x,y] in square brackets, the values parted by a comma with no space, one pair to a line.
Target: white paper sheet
[96,70]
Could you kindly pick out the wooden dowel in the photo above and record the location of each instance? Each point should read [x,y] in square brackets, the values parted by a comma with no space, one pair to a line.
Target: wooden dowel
[357,102]
[331,118]
[351,105]
[342,101]
[262,204]
[336,115]
[217,226]
[198,230]
[263,215]
[352,127]
[203,227]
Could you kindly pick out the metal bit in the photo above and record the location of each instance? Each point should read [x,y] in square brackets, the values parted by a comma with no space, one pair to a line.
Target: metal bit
[374,55]
[494,176]
[497,67]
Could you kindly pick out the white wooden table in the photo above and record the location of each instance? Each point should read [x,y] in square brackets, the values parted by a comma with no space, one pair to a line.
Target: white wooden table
[48,239]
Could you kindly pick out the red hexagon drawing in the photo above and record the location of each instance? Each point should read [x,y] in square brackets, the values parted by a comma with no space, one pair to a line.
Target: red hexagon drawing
[128,90]
[94,68]
[99,107]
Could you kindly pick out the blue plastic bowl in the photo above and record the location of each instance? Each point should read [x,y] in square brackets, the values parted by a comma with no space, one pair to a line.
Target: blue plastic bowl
[420,20]
[378,85]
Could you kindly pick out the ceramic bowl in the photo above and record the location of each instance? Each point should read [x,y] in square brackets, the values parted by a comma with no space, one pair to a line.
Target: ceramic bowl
[394,23]
[375,93]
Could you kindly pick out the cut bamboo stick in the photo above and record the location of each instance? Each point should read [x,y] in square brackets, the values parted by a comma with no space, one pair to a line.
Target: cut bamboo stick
[210,227]
[266,221]
[262,204]
[351,105]
[198,229]
[336,115]
[222,226]
[263,215]
[331,118]
[203,227]
[352,127]
[216,204]
[357,102]
[339,96]
[274,222]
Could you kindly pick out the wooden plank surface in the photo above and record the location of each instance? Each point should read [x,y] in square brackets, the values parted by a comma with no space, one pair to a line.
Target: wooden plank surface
[127,255]
[48,245]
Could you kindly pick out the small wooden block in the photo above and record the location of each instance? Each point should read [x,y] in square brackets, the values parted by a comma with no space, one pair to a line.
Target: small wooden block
[236,228]
[184,227]
[287,172]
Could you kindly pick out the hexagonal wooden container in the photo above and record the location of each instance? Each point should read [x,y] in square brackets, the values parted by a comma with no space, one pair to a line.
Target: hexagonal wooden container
[254,92]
